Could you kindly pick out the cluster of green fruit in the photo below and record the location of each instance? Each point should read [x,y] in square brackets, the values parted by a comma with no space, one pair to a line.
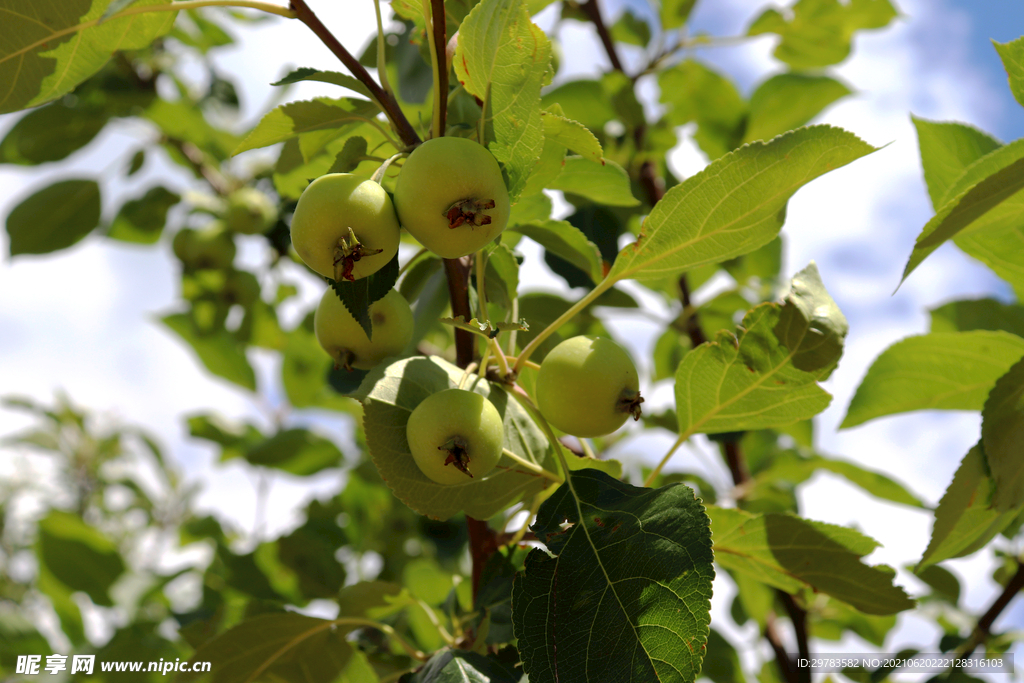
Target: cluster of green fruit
[450,196]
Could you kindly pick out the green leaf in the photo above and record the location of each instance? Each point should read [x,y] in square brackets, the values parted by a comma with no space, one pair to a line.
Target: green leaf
[751,382]
[281,646]
[791,553]
[49,49]
[304,372]
[543,174]
[296,451]
[319,114]
[358,295]
[142,220]
[1012,54]
[735,205]
[787,101]
[675,13]
[693,92]
[333,77]
[54,218]
[964,520]
[721,662]
[947,149]
[502,277]
[502,59]
[460,666]
[938,371]
[219,352]
[606,183]
[349,156]
[568,242]
[990,207]
[51,133]
[623,591]
[184,120]
[818,33]
[390,393]
[978,314]
[1002,433]
[811,324]
[571,134]
[584,101]
[79,556]
[632,30]
[234,439]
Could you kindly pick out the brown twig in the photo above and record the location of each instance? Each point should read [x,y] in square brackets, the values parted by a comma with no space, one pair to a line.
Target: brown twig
[385,99]
[593,13]
[440,43]
[984,626]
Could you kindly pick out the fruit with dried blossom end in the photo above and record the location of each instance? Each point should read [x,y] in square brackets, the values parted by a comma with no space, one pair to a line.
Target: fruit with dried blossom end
[450,196]
[455,436]
[343,338]
[345,227]
[588,386]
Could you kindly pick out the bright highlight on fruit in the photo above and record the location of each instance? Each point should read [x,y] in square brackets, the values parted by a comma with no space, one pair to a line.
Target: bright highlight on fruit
[343,338]
[345,227]
[451,197]
[455,436]
[588,386]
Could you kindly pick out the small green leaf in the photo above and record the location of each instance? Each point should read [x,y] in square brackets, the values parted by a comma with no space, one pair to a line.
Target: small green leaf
[1012,54]
[606,184]
[573,135]
[623,591]
[358,295]
[568,242]
[978,314]
[234,439]
[138,159]
[811,324]
[320,114]
[675,13]
[333,77]
[54,218]
[584,101]
[79,556]
[282,646]
[460,666]
[349,156]
[1002,433]
[46,50]
[220,353]
[937,371]
[632,30]
[947,149]
[787,101]
[51,133]
[964,520]
[142,220]
[791,553]
[794,469]
[735,205]
[296,451]
[721,662]
[502,277]
[184,120]
[390,393]
[818,33]
[502,58]
[305,370]
[693,92]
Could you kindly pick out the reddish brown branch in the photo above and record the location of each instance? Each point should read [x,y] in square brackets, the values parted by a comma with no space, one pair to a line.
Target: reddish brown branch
[386,100]
[440,45]
[984,627]
[593,13]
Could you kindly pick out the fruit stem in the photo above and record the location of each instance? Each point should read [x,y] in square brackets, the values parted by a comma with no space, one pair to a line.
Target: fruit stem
[588,450]
[382,68]
[502,360]
[447,637]
[533,467]
[378,175]
[480,260]
[512,336]
[668,456]
[597,291]
[386,629]
[466,373]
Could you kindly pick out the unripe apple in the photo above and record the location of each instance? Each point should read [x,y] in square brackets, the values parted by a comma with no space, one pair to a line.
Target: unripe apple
[588,386]
[343,338]
[211,247]
[249,211]
[451,197]
[455,436]
[345,227]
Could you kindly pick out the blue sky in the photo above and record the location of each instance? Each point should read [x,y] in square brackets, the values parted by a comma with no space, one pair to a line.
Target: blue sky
[83,319]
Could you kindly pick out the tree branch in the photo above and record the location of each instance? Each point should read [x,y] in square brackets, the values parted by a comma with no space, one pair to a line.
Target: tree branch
[983,629]
[593,13]
[441,43]
[387,102]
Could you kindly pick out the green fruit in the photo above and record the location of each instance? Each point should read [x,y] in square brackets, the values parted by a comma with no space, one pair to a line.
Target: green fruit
[249,211]
[343,338]
[345,227]
[204,249]
[588,386]
[455,436]
[451,197]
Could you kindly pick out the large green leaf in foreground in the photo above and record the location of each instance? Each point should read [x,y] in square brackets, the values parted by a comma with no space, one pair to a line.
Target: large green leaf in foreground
[47,48]
[941,370]
[735,205]
[627,595]
[1002,432]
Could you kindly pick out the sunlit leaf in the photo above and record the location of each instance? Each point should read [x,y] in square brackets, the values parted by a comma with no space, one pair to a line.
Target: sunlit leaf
[1002,433]
[938,371]
[79,556]
[572,135]
[735,205]
[623,591]
[1012,54]
[787,101]
[51,133]
[947,149]
[332,77]
[320,114]
[219,352]
[568,242]
[978,314]
[296,451]
[606,183]
[142,220]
